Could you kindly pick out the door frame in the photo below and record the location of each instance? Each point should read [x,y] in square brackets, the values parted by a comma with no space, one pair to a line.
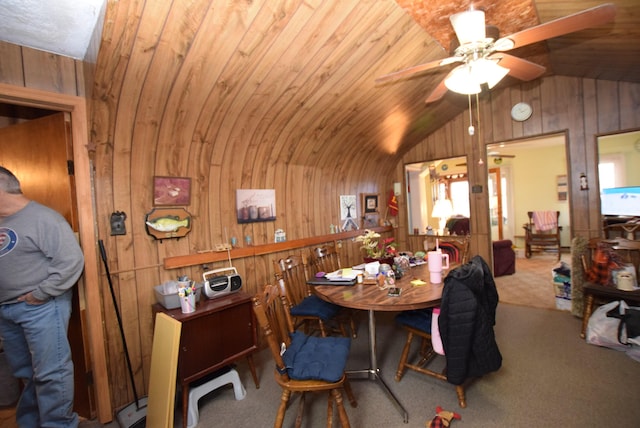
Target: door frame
[515,142]
[83,150]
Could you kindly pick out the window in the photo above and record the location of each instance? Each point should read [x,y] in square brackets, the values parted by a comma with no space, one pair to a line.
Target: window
[460,197]
[611,171]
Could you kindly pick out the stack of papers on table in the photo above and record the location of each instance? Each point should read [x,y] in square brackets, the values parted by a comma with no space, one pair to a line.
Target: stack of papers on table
[344,274]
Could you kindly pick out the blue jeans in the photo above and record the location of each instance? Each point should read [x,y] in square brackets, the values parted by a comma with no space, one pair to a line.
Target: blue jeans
[37,350]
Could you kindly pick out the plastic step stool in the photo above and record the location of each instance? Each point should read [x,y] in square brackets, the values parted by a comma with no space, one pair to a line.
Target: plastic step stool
[197,392]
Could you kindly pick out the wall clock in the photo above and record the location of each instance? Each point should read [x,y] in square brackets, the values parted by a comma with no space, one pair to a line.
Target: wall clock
[521,112]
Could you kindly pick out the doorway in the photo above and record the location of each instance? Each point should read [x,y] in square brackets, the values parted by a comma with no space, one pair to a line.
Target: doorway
[40,152]
[527,175]
[95,338]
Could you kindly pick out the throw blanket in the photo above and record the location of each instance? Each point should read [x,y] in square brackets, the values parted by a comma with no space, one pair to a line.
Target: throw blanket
[544,220]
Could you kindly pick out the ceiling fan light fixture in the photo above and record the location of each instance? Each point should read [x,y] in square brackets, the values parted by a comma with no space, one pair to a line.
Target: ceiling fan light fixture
[488,71]
[469,26]
[504,44]
[462,81]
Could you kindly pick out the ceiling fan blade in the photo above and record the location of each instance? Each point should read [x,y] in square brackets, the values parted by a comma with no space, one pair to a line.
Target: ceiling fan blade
[518,67]
[571,23]
[438,92]
[416,69]
[498,155]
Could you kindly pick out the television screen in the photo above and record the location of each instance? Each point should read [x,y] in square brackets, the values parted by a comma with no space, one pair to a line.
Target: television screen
[620,201]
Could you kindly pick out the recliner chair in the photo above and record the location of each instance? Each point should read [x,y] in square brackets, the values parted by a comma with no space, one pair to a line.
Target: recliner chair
[504,258]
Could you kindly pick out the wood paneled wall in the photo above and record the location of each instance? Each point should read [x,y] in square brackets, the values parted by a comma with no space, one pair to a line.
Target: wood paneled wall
[307,203]
[307,198]
[580,108]
[38,79]
[136,140]
[32,68]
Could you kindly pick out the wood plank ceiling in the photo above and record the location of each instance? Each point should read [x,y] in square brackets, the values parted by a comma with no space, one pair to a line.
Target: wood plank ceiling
[314,62]
[298,76]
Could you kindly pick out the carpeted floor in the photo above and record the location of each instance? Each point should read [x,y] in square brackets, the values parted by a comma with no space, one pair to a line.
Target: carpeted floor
[532,284]
[550,377]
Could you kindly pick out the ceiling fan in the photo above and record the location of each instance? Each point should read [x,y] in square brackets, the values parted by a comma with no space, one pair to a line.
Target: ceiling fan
[483,58]
[499,155]
[495,155]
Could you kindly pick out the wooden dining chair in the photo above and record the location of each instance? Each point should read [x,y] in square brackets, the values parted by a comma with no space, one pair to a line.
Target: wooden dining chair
[326,258]
[302,363]
[417,324]
[457,246]
[308,310]
[472,329]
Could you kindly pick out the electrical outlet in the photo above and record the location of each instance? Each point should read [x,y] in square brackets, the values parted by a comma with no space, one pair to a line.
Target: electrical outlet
[117,223]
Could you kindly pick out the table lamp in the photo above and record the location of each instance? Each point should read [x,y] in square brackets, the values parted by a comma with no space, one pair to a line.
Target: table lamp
[442,210]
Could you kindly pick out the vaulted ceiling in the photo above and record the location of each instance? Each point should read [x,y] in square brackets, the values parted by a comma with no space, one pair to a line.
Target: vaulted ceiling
[300,74]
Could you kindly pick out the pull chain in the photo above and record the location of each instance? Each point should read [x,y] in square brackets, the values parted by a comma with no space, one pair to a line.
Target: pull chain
[480,162]
[472,130]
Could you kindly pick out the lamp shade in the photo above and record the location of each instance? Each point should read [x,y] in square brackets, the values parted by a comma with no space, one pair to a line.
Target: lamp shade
[469,26]
[462,81]
[467,78]
[442,209]
[488,71]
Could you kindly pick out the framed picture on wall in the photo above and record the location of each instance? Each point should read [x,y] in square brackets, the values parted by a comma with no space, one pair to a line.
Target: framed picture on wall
[171,191]
[348,207]
[255,205]
[369,203]
[562,187]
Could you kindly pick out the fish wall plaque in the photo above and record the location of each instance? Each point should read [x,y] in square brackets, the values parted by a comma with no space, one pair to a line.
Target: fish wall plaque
[165,223]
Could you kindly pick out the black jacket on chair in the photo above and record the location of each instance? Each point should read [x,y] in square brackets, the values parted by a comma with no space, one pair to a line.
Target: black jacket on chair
[467,317]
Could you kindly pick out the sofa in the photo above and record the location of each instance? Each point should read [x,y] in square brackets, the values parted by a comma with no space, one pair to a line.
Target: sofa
[504,258]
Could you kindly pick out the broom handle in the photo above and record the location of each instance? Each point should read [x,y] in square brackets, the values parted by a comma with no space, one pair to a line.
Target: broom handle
[103,254]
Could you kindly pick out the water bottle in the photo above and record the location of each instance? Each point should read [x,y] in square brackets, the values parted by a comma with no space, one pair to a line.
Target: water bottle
[390,279]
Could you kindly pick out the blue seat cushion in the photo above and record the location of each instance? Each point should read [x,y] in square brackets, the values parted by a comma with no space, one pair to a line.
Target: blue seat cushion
[316,358]
[315,306]
[419,319]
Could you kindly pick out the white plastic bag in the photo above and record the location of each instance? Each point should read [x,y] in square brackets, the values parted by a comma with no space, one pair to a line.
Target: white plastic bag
[603,330]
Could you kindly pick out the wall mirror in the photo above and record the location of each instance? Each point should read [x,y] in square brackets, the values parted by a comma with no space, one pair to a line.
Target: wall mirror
[438,196]
[619,183]
[527,175]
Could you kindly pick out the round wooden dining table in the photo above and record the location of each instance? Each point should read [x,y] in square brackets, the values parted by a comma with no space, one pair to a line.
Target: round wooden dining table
[417,293]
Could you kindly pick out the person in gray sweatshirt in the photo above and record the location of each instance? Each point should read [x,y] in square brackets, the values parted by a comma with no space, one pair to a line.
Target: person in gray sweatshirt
[40,261]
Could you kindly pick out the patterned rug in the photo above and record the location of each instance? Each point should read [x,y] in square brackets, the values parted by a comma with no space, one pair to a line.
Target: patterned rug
[532,284]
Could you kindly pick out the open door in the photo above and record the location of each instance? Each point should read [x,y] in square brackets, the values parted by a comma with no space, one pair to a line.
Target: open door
[497,214]
[40,153]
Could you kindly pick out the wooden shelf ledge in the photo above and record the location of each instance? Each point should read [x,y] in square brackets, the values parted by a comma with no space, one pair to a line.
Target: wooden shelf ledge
[258,250]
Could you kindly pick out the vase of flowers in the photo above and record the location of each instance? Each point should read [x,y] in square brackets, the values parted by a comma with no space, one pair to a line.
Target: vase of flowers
[377,248]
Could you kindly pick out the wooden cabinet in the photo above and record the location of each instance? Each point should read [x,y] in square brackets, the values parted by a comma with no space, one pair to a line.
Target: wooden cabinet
[218,333]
